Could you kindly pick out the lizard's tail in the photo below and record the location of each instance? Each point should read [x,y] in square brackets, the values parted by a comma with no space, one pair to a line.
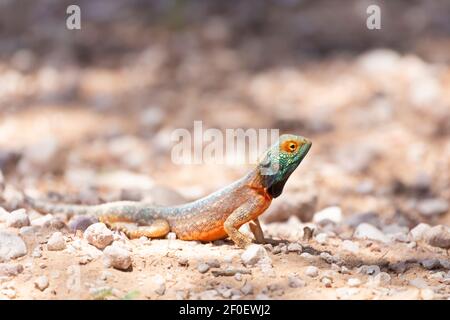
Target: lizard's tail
[49,207]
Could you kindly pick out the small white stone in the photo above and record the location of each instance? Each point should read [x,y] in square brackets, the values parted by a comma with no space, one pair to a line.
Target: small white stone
[326,281]
[43,221]
[117,257]
[418,232]
[255,254]
[203,267]
[296,282]
[418,283]
[18,219]
[99,235]
[294,247]
[312,271]
[438,236]
[382,278]
[322,238]
[331,214]
[432,207]
[354,282]
[368,231]
[11,246]
[351,246]
[41,283]
[56,242]
[247,289]
[10,293]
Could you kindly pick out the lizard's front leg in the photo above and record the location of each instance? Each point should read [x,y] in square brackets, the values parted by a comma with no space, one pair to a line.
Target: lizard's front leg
[241,215]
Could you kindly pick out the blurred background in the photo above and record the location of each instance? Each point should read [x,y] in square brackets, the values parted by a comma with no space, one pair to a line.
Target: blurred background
[86,115]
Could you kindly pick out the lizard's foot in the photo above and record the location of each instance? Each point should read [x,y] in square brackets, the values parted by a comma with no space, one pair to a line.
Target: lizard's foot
[242,242]
[157,229]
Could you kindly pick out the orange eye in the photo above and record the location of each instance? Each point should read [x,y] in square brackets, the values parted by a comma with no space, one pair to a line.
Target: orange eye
[290,146]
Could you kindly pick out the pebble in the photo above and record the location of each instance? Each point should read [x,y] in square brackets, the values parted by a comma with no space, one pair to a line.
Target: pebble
[367,231]
[117,257]
[17,219]
[44,221]
[238,276]
[10,269]
[351,246]
[81,222]
[354,282]
[328,215]
[344,270]
[438,236]
[307,255]
[398,267]
[430,264]
[247,289]
[203,267]
[294,247]
[322,238]
[183,262]
[28,231]
[344,293]
[328,257]
[85,259]
[327,282]
[371,270]
[382,278]
[10,293]
[41,283]
[11,246]
[419,231]
[432,207]
[312,271]
[295,282]
[99,235]
[418,283]
[213,263]
[254,254]
[56,242]
[445,263]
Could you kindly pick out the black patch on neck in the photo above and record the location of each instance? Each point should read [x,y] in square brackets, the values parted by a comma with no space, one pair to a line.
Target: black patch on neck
[276,188]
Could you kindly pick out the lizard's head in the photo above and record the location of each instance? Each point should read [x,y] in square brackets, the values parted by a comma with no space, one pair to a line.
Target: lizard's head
[280,160]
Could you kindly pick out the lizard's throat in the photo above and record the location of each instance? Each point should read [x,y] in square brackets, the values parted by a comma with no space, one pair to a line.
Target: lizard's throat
[276,188]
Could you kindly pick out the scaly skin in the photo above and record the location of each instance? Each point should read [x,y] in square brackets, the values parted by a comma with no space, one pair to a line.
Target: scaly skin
[213,217]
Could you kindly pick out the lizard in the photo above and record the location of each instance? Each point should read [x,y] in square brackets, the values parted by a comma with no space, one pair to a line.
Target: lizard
[216,216]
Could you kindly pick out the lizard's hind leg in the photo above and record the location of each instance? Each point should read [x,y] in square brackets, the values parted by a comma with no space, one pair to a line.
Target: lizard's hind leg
[156,229]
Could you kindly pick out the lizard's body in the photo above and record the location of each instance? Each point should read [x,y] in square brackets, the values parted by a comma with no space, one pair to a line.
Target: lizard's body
[213,217]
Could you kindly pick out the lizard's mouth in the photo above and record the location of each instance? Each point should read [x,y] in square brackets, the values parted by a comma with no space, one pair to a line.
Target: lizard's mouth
[304,150]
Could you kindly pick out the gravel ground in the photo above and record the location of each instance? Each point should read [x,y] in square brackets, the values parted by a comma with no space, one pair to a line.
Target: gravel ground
[89,124]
